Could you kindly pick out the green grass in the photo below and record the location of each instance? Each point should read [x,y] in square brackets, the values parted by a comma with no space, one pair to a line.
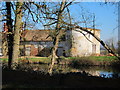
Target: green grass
[93,60]
[3,59]
[97,58]
[47,59]
[41,59]
[103,58]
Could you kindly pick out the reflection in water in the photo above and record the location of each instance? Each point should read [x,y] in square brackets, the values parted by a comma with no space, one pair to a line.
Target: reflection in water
[105,72]
[93,73]
[109,74]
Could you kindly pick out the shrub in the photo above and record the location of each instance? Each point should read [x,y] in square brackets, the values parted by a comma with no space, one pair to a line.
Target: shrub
[93,61]
[81,62]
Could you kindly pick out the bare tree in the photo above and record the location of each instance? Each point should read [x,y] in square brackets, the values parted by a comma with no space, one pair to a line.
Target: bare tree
[18,26]
[7,36]
[58,32]
[18,7]
[10,34]
[119,48]
[98,39]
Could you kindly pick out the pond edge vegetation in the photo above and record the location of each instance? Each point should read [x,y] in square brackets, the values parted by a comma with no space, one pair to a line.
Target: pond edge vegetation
[73,61]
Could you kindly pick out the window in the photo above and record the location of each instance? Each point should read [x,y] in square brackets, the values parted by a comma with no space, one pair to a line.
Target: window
[93,48]
[0,50]
[27,51]
[63,38]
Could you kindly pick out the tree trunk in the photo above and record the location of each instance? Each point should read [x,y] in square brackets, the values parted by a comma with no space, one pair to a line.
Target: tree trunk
[4,44]
[18,26]
[56,39]
[10,34]
[54,53]
[119,48]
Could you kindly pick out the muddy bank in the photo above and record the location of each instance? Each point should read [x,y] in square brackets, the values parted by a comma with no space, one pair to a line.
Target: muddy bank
[33,79]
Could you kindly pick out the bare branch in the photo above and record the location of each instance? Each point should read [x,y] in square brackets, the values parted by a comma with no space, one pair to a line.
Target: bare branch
[51,23]
[68,4]
[30,12]
[39,6]
[98,39]
[84,35]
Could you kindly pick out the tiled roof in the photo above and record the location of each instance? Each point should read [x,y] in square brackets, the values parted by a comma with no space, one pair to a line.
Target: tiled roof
[0,35]
[36,35]
[40,35]
[0,39]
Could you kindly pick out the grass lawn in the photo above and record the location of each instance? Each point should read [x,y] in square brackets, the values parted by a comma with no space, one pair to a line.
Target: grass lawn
[3,59]
[33,59]
[97,58]
[47,59]
[103,58]
[37,59]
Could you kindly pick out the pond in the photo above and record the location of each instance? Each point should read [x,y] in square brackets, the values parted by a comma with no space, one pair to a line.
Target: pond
[105,72]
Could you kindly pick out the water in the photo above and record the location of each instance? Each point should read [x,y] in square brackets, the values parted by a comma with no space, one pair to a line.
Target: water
[105,72]
[109,74]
